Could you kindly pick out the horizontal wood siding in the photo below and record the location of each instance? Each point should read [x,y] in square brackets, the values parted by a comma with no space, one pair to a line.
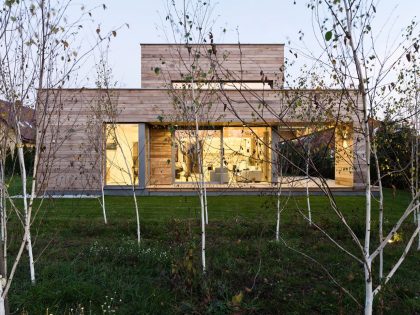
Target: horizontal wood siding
[163,63]
[71,159]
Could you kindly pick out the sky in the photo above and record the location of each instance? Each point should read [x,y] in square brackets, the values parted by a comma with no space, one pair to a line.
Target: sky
[250,21]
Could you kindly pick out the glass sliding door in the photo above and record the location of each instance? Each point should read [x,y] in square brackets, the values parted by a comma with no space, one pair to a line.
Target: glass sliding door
[190,148]
[122,155]
[246,153]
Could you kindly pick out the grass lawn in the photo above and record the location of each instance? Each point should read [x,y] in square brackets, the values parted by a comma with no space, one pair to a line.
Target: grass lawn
[83,263]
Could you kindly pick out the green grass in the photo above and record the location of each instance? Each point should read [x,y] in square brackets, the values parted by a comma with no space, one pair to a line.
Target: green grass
[81,262]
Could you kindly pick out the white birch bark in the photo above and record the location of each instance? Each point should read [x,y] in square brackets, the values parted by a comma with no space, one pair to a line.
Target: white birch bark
[278,212]
[366,134]
[201,189]
[2,306]
[308,201]
[26,209]
[279,188]
[103,181]
[133,190]
[103,201]
[201,181]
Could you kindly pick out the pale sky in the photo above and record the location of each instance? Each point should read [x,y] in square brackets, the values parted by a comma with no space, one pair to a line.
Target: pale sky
[258,21]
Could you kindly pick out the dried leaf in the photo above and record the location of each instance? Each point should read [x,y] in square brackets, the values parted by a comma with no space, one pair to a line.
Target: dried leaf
[237,299]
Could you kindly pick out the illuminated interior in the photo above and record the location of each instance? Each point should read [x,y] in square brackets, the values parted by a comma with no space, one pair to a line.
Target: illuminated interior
[246,154]
[122,154]
[230,155]
[188,151]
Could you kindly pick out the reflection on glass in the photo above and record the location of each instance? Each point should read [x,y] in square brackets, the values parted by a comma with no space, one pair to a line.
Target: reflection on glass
[122,154]
[246,153]
[243,157]
[189,151]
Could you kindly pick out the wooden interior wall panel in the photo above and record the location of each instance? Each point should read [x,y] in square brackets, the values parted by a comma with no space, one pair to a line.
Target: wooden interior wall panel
[344,156]
[160,157]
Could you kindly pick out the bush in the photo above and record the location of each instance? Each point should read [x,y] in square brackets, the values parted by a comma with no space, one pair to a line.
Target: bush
[321,153]
[12,162]
[394,145]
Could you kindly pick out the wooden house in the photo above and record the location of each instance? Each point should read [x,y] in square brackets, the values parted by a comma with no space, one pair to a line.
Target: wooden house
[146,138]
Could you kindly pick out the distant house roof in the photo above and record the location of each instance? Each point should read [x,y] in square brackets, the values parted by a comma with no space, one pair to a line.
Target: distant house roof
[26,119]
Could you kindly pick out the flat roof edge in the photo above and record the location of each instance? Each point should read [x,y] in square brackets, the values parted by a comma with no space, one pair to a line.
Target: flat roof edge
[157,89]
[217,44]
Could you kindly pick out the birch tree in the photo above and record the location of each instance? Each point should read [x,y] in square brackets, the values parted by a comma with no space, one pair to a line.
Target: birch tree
[355,66]
[40,50]
[190,25]
[349,42]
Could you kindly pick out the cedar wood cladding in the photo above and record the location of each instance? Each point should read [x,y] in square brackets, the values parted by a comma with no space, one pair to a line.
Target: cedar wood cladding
[71,160]
[74,163]
[245,62]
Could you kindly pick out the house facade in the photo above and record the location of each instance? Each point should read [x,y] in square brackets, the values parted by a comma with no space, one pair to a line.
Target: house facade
[230,125]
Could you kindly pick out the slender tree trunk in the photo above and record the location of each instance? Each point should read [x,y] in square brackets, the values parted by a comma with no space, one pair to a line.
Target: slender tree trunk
[103,182]
[308,201]
[201,184]
[368,287]
[381,207]
[26,208]
[33,191]
[368,263]
[26,211]
[278,212]
[103,202]
[4,305]
[417,211]
[137,215]
[203,233]
[201,188]
[412,170]
[2,302]
[133,190]
[2,203]
[279,183]
[366,135]
[416,130]
[205,204]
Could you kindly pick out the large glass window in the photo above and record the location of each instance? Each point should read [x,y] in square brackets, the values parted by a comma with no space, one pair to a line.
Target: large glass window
[191,148]
[246,154]
[122,164]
